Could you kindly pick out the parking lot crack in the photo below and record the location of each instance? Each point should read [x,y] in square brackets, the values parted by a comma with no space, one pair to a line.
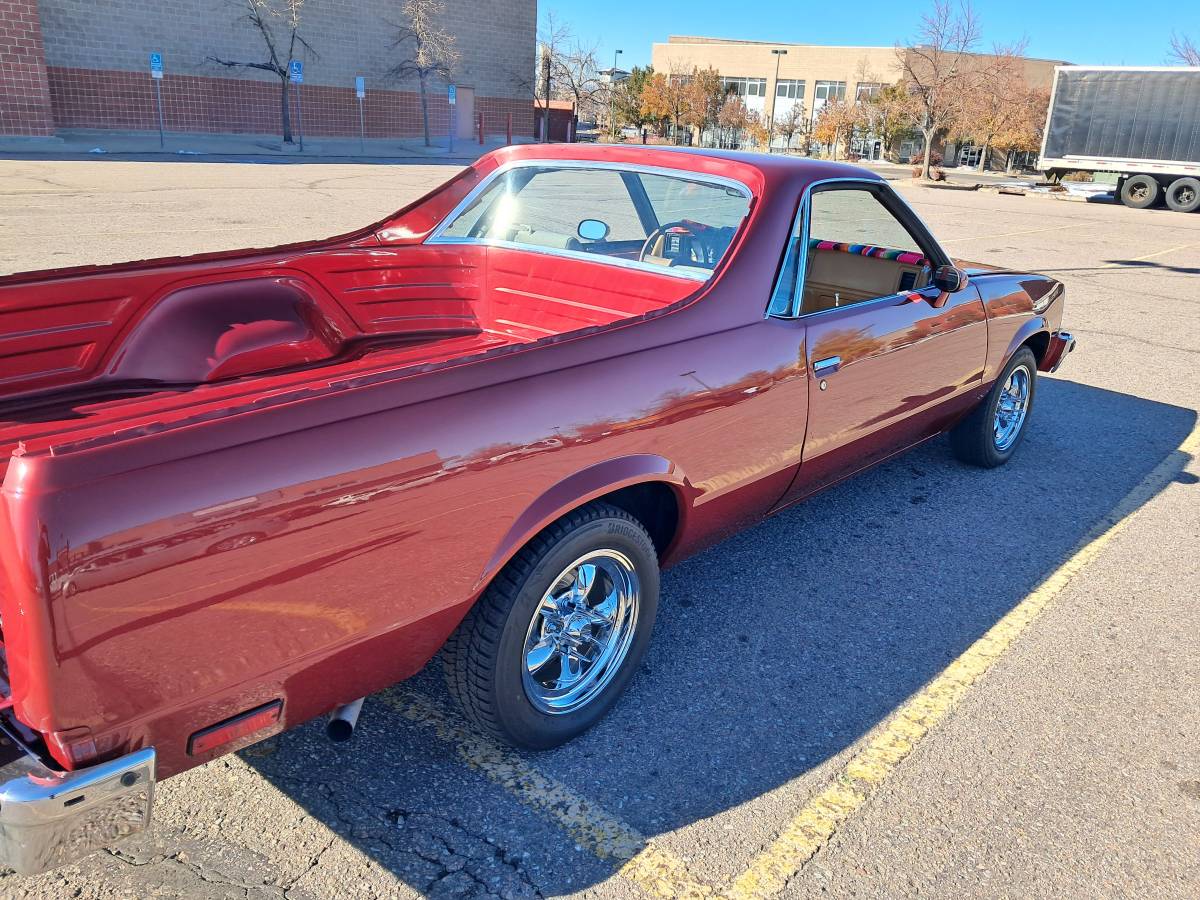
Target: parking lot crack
[312,864]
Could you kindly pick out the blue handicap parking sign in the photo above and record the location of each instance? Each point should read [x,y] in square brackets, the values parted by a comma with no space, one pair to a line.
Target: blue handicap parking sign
[296,71]
[156,66]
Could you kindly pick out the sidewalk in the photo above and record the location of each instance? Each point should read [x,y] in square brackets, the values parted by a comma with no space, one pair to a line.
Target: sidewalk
[89,144]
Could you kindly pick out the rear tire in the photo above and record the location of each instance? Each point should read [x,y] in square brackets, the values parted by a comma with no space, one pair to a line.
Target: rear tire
[532,664]
[1183,195]
[990,435]
[1140,192]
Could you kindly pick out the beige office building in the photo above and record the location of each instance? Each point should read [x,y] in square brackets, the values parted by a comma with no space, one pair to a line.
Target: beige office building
[770,82]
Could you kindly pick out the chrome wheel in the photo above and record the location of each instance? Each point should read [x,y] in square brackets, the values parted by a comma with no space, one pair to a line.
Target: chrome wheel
[581,632]
[1012,407]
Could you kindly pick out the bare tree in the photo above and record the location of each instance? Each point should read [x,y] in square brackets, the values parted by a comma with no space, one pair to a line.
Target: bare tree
[576,77]
[1184,51]
[792,121]
[278,23]
[430,49]
[554,38]
[938,68]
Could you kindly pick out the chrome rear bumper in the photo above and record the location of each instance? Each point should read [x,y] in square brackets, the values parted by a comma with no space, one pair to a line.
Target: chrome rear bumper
[48,819]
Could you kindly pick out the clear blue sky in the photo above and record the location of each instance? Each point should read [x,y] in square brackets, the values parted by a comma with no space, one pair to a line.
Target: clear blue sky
[1096,32]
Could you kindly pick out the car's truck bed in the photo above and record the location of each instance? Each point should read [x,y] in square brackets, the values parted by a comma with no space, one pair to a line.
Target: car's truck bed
[89,358]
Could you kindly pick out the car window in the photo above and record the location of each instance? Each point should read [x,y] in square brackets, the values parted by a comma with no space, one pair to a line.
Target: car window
[857,217]
[674,199]
[854,249]
[651,220]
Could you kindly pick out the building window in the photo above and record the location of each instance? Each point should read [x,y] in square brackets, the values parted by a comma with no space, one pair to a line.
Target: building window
[745,87]
[830,90]
[911,148]
[969,155]
[789,89]
[867,90]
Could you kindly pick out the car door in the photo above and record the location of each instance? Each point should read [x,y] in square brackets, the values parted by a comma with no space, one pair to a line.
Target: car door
[891,356]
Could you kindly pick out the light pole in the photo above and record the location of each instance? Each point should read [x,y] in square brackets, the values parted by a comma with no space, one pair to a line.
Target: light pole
[774,98]
[612,97]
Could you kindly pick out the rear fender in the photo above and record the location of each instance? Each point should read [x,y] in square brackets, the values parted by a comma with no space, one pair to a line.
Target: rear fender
[580,488]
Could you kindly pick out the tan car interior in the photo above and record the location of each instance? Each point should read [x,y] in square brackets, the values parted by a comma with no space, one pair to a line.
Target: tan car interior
[836,278]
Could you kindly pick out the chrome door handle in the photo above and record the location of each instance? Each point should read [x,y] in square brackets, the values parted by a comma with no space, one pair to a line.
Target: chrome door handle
[827,366]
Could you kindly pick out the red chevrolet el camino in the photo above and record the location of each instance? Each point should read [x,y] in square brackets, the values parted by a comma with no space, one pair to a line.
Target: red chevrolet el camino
[246,489]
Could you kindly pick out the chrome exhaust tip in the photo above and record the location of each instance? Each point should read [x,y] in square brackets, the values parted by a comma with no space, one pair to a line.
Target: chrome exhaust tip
[342,721]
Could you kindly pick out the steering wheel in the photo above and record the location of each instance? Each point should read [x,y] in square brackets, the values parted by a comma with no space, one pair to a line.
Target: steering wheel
[691,245]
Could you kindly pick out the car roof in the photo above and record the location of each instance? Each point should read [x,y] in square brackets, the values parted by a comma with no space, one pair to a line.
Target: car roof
[758,171]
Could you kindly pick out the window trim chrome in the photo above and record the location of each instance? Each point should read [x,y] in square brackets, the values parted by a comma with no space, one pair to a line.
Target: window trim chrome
[940,257]
[437,235]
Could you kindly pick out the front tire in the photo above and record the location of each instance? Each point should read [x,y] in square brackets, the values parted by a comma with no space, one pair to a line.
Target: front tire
[990,435]
[555,639]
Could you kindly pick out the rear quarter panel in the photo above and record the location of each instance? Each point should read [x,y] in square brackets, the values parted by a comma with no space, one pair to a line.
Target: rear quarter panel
[324,550]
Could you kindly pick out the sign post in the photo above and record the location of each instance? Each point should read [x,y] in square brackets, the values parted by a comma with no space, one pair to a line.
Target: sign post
[296,76]
[452,99]
[156,74]
[360,89]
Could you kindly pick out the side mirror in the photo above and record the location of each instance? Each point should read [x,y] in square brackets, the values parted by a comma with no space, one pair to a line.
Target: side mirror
[949,279]
[592,230]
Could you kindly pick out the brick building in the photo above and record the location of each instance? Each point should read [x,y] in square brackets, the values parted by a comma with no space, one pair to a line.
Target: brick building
[70,64]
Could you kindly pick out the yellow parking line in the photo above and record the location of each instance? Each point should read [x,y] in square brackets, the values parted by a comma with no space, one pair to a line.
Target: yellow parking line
[648,866]
[1165,252]
[821,817]
[988,237]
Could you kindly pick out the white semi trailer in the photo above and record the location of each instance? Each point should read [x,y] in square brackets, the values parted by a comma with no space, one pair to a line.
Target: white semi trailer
[1142,123]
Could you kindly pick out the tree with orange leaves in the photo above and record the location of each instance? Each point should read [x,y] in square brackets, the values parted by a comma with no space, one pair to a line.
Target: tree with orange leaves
[835,120]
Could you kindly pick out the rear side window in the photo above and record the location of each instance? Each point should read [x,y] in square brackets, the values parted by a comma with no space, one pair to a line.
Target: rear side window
[674,224]
[857,217]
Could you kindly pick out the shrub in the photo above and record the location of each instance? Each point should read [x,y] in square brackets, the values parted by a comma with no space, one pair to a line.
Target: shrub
[1077,176]
[935,161]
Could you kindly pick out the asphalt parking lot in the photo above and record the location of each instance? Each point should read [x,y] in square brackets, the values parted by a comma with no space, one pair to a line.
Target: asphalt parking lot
[930,681]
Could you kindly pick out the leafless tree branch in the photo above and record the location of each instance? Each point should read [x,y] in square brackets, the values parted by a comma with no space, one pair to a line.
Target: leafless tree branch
[429,47]
[1184,50]
[264,16]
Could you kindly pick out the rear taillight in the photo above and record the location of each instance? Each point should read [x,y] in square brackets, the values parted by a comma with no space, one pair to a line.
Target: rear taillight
[74,748]
[240,726]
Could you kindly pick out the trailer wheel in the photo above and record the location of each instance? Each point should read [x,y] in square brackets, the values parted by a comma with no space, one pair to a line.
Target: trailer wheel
[1140,192]
[1183,195]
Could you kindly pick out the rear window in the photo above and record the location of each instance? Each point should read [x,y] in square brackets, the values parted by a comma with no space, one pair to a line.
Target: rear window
[665,222]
